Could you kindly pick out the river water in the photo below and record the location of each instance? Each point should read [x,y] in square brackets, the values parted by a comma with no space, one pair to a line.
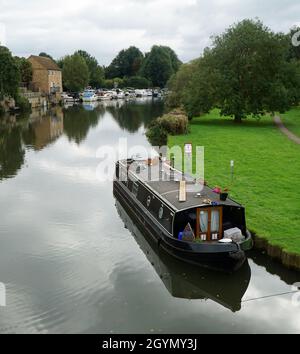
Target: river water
[71,259]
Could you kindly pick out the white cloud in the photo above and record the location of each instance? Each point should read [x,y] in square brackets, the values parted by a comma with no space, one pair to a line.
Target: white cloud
[2,34]
[103,28]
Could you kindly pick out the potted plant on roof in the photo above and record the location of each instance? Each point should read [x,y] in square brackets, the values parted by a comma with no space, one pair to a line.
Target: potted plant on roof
[224,194]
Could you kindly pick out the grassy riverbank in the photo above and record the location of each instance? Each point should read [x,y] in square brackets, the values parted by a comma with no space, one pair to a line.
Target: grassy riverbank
[291,120]
[267,172]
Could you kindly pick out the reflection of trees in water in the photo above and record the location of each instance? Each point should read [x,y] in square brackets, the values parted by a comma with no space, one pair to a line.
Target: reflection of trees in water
[12,153]
[131,115]
[78,121]
[42,128]
[36,131]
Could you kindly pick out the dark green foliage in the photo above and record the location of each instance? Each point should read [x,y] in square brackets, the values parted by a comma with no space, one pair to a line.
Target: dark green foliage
[178,84]
[137,82]
[25,69]
[294,38]
[45,55]
[9,74]
[159,65]
[23,104]
[114,83]
[247,72]
[12,152]
[156,134]
[75,73]
[96,72]
[173,123]
[127,63]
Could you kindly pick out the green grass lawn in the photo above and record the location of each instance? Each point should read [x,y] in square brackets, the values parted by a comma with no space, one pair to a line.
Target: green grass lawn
[291,120]
[267,172]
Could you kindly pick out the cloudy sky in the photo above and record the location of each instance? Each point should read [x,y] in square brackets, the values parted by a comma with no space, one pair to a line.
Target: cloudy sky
[104,27]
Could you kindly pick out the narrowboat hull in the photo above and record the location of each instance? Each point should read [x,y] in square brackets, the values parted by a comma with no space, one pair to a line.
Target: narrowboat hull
[217,256]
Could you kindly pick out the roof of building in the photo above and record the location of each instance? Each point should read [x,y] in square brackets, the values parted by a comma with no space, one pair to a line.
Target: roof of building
[168,188]
[47,63]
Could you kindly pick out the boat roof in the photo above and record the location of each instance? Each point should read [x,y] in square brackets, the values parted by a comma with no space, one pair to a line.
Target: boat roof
[168,188]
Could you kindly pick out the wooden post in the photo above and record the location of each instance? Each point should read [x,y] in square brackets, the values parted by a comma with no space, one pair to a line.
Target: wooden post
[182,192]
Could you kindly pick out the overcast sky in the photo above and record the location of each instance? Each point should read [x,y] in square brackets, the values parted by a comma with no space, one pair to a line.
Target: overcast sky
[104,27]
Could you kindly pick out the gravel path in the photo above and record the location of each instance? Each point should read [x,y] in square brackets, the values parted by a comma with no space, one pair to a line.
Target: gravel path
[288,133]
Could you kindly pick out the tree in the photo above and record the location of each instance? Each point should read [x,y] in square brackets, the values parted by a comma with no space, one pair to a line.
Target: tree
[159,65]
[43,54]
[179,82]
[246,72]
[9,74]
[96,72]
[75,73]
[25,69]
[294,40]
[127,63]
[137,82]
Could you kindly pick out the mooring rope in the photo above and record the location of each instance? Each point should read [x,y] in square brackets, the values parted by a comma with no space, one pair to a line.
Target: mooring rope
[270,296]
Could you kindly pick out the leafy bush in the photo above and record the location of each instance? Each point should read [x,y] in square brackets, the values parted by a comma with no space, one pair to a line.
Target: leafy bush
[110,83]
[23,104]
[156,134]
[173,123]
[137,82]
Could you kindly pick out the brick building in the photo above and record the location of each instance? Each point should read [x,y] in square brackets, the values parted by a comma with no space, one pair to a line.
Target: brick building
[46,75]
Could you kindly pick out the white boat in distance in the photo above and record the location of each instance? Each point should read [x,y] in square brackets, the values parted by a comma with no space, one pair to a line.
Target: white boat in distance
[143,93]
[67,98]
[89,96]
[105,95]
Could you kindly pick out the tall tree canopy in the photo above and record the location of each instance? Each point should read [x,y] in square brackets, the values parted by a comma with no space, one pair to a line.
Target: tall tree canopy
[246,72]
[25,69]
[137,82]
[9,74]
[179,82]
[43,54]
[75,73]
[127,63]
[294,40]
[159,65]
[96,72]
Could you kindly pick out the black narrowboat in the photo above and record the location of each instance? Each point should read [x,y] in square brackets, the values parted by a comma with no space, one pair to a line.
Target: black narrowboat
[183,280]
[197,228]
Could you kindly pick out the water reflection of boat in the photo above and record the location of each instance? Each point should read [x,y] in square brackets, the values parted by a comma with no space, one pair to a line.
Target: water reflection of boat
[188,282]
[90,106]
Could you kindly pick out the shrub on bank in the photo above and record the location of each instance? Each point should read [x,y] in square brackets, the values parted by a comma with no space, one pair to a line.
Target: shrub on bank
[172,123]
[23,104]
[156,134]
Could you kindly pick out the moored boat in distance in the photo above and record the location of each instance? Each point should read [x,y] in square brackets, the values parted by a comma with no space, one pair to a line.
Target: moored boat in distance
[89,96]
[197,228]
[67,98]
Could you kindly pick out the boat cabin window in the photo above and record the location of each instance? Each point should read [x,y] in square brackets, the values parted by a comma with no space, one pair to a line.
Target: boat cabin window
[123,175]
[135,189]
[209,224]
